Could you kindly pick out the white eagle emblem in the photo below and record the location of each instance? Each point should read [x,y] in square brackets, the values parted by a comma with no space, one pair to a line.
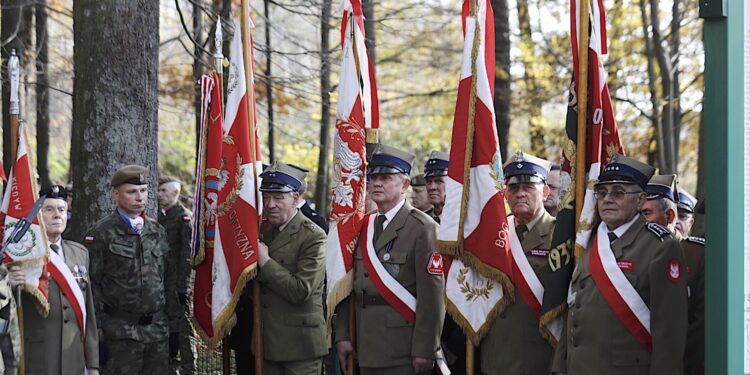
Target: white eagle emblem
[347,167]
[674,271]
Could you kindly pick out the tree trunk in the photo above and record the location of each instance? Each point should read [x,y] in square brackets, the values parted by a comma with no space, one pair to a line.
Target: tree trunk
[534,105]
[197,66]
[502,73]
[368,11]
[115,101]
[321,180]
[674,51]
[42,94]
[11,25]
[655,118]
[665,67]
[269,82]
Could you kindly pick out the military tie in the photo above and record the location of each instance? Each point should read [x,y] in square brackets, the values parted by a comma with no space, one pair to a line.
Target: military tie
[55,248]
[378,228]
[275,233]
[521,231]
[612,237]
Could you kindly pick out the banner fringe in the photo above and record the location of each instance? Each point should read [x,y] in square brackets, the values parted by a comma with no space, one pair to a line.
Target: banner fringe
[490,272]
[549,316]
[340,292]
[476,336]
[450,248]
[226,320]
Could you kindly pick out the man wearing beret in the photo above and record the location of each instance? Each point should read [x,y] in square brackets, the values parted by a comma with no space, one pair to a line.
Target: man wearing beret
[514,342]
[435,171]
[661,208]
[398,279]
[628,295]
[177,223]
[419,198]
[291,272]
[56,344]
[128,270]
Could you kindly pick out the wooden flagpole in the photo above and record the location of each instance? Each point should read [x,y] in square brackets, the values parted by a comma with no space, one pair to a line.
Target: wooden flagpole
[250,92]
[582,95]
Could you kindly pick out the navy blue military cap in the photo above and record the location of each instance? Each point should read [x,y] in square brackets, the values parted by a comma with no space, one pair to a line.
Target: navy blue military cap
[525,168]
[390,160]
[437,164]
[662,186]
[55,191]
[281,178]
[687,202]
[624,170]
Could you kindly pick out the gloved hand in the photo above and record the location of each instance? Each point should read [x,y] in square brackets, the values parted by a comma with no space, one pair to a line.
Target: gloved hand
[174,344]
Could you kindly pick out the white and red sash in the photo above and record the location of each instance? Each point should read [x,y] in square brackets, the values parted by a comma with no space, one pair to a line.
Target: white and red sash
[389,288]
[525,278]
[619,293]
[67,283]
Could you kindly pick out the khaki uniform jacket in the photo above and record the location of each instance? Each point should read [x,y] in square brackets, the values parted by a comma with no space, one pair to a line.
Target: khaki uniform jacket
[514,343]
[53,345]
[693,248]
[291,284]
[597,342]
[384,337]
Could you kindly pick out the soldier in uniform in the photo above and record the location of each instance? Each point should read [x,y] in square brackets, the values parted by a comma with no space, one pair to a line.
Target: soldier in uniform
[685,212]
[55,344]
[10,335]
[553,198]
[291,261]
[304,206]
[660,208]
[435,171]
[403,239]
[177,223]
[514,342]
[128,268]
[628,296]
[419,198]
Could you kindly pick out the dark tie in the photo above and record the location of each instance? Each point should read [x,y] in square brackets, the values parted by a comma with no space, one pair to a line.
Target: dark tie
[521,231]
[378,228]
[55,248]
[612,237]
[275,233]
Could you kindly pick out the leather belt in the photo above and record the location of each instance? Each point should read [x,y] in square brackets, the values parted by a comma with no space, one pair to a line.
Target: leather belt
[139,319]
[364,299]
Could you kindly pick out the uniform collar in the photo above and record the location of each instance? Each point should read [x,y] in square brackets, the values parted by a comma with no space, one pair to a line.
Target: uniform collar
[392,212]
[619,231]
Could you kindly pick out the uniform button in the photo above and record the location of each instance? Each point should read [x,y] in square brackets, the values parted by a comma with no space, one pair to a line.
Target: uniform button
[578,305]
[65,321]
[265,306]
[575,325]
[502,315]
[65,307]
[583,284]
[366,275]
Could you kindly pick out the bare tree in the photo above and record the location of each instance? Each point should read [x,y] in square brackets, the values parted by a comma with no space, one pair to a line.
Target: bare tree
[269,82]
[115,100]
[321,180]
[528,54]
[42,93]
[502,73]
[197,63]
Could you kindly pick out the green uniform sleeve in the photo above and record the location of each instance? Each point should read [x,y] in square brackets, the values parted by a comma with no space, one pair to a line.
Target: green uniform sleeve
[183,258]
[430,303]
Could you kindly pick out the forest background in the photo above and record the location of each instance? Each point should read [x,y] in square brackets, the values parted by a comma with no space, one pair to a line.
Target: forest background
[655,74]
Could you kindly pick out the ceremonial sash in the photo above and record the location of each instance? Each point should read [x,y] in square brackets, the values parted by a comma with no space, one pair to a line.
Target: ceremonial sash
[619,293]
[67,283]
[389,288]
[525,279]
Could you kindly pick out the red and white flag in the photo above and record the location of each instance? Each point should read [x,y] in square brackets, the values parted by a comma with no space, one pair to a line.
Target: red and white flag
[31,252]
[356,113]
[480,265]
[233,207]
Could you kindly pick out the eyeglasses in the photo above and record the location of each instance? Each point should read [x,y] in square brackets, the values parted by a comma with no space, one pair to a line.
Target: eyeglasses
[615,194]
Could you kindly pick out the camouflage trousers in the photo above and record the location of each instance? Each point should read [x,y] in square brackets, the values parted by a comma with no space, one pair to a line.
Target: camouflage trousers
[186,363]
[137,358]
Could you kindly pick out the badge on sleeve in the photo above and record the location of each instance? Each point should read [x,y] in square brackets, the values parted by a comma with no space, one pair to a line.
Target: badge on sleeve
[88,239]
[674,273]
[435,267]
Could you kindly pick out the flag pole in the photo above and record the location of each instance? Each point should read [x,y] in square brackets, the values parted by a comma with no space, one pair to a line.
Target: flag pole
[250,92]
[582,95]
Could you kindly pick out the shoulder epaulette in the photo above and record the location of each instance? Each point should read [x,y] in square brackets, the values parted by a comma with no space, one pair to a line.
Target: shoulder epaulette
[698,240]
[419,215]
[659,231]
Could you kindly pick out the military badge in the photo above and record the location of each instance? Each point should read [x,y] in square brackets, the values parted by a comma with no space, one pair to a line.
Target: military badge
[625,265]
[673,270]
[435,267]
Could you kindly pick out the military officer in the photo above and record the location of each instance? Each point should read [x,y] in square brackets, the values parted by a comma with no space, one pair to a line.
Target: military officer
[128,267]
[660,208]
[291,261]
[55,344]
[514,342]
[304,206]
[401,240]
[686,212]
[177,223]
[628,295]
[435,171]
[419,198]
[553,198]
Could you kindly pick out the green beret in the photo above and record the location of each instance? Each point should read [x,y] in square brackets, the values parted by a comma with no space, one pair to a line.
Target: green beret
[418,180]
[130,174]
[165,179]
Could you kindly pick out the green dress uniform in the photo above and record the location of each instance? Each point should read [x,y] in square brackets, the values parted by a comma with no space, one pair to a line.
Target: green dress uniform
[132,297]
[53,344]
[597,341]
[513,342]
[694,250]
[177,223]
[386,342]
[291,284]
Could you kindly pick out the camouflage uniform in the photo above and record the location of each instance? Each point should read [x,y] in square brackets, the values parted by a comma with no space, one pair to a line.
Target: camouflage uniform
[177,224]
[10,336]
[131,295]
